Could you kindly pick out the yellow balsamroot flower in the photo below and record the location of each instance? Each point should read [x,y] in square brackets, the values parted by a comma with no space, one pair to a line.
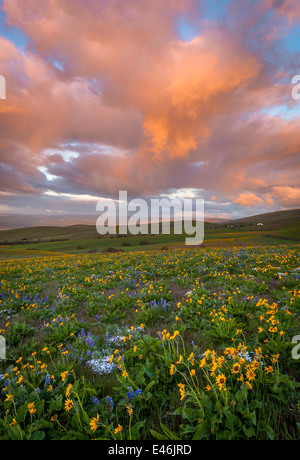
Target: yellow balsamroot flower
[8,397]
[214,367]
[172,369]
[275,357]
[63,376]
[255,364]
[69,389]
[129,410]
[94,423]
[235,368]
[31,408]
[207,353]
[68,405]
[249,385]
[202,362]
[208,387]
[13,422]
[269,369]
[179,360]
[119,429]
[124,374]
[220,361]
[250,374]
[182,391]
[220,381]
[193,372]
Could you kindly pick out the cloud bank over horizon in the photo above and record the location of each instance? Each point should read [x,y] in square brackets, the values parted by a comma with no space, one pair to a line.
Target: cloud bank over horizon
[156,98]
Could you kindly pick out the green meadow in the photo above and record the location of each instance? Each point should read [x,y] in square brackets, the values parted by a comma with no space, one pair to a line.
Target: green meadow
[278,228]
[150,340]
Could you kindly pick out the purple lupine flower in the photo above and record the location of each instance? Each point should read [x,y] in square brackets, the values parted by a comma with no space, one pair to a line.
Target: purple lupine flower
[129,394]
[90,342]
[95,400]
[110,402]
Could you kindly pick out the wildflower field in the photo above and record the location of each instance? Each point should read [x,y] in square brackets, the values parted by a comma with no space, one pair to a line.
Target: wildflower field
[182,344]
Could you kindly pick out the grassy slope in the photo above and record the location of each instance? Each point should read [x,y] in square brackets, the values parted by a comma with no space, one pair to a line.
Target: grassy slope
[279,228]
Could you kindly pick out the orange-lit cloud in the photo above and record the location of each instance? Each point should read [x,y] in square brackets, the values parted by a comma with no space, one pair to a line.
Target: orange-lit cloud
[145,110]
[248,199]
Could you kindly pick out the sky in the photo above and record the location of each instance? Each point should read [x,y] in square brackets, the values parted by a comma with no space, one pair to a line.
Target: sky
[187,98]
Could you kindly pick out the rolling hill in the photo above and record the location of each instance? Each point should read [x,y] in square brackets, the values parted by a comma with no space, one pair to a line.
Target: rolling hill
[282,227]
[279,217]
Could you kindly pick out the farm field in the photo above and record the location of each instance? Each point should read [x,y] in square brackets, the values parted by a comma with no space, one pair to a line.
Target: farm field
[175,344]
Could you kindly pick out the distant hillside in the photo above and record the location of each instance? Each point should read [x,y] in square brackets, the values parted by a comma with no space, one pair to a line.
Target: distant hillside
[43,234]
[271,217]
[10,222]
[285,224]
[50,234]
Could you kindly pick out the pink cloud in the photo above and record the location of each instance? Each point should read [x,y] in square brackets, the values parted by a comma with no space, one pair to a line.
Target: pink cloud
[287,196]
[248,199]
[172,113]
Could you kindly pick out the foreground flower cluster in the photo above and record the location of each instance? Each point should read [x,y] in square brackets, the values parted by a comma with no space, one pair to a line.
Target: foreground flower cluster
[182,344]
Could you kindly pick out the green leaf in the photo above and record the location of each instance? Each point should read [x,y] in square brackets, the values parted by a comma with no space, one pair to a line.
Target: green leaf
[56,404]
[249,432]
[264,427]
[158,436]
[203,431]
[15,433]
[148,388]
[37,436]
[225,435]
[232,421]
[169,433]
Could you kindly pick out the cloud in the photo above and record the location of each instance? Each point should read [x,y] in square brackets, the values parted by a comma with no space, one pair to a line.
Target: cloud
[248,199]
[143,110]
[288,196]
